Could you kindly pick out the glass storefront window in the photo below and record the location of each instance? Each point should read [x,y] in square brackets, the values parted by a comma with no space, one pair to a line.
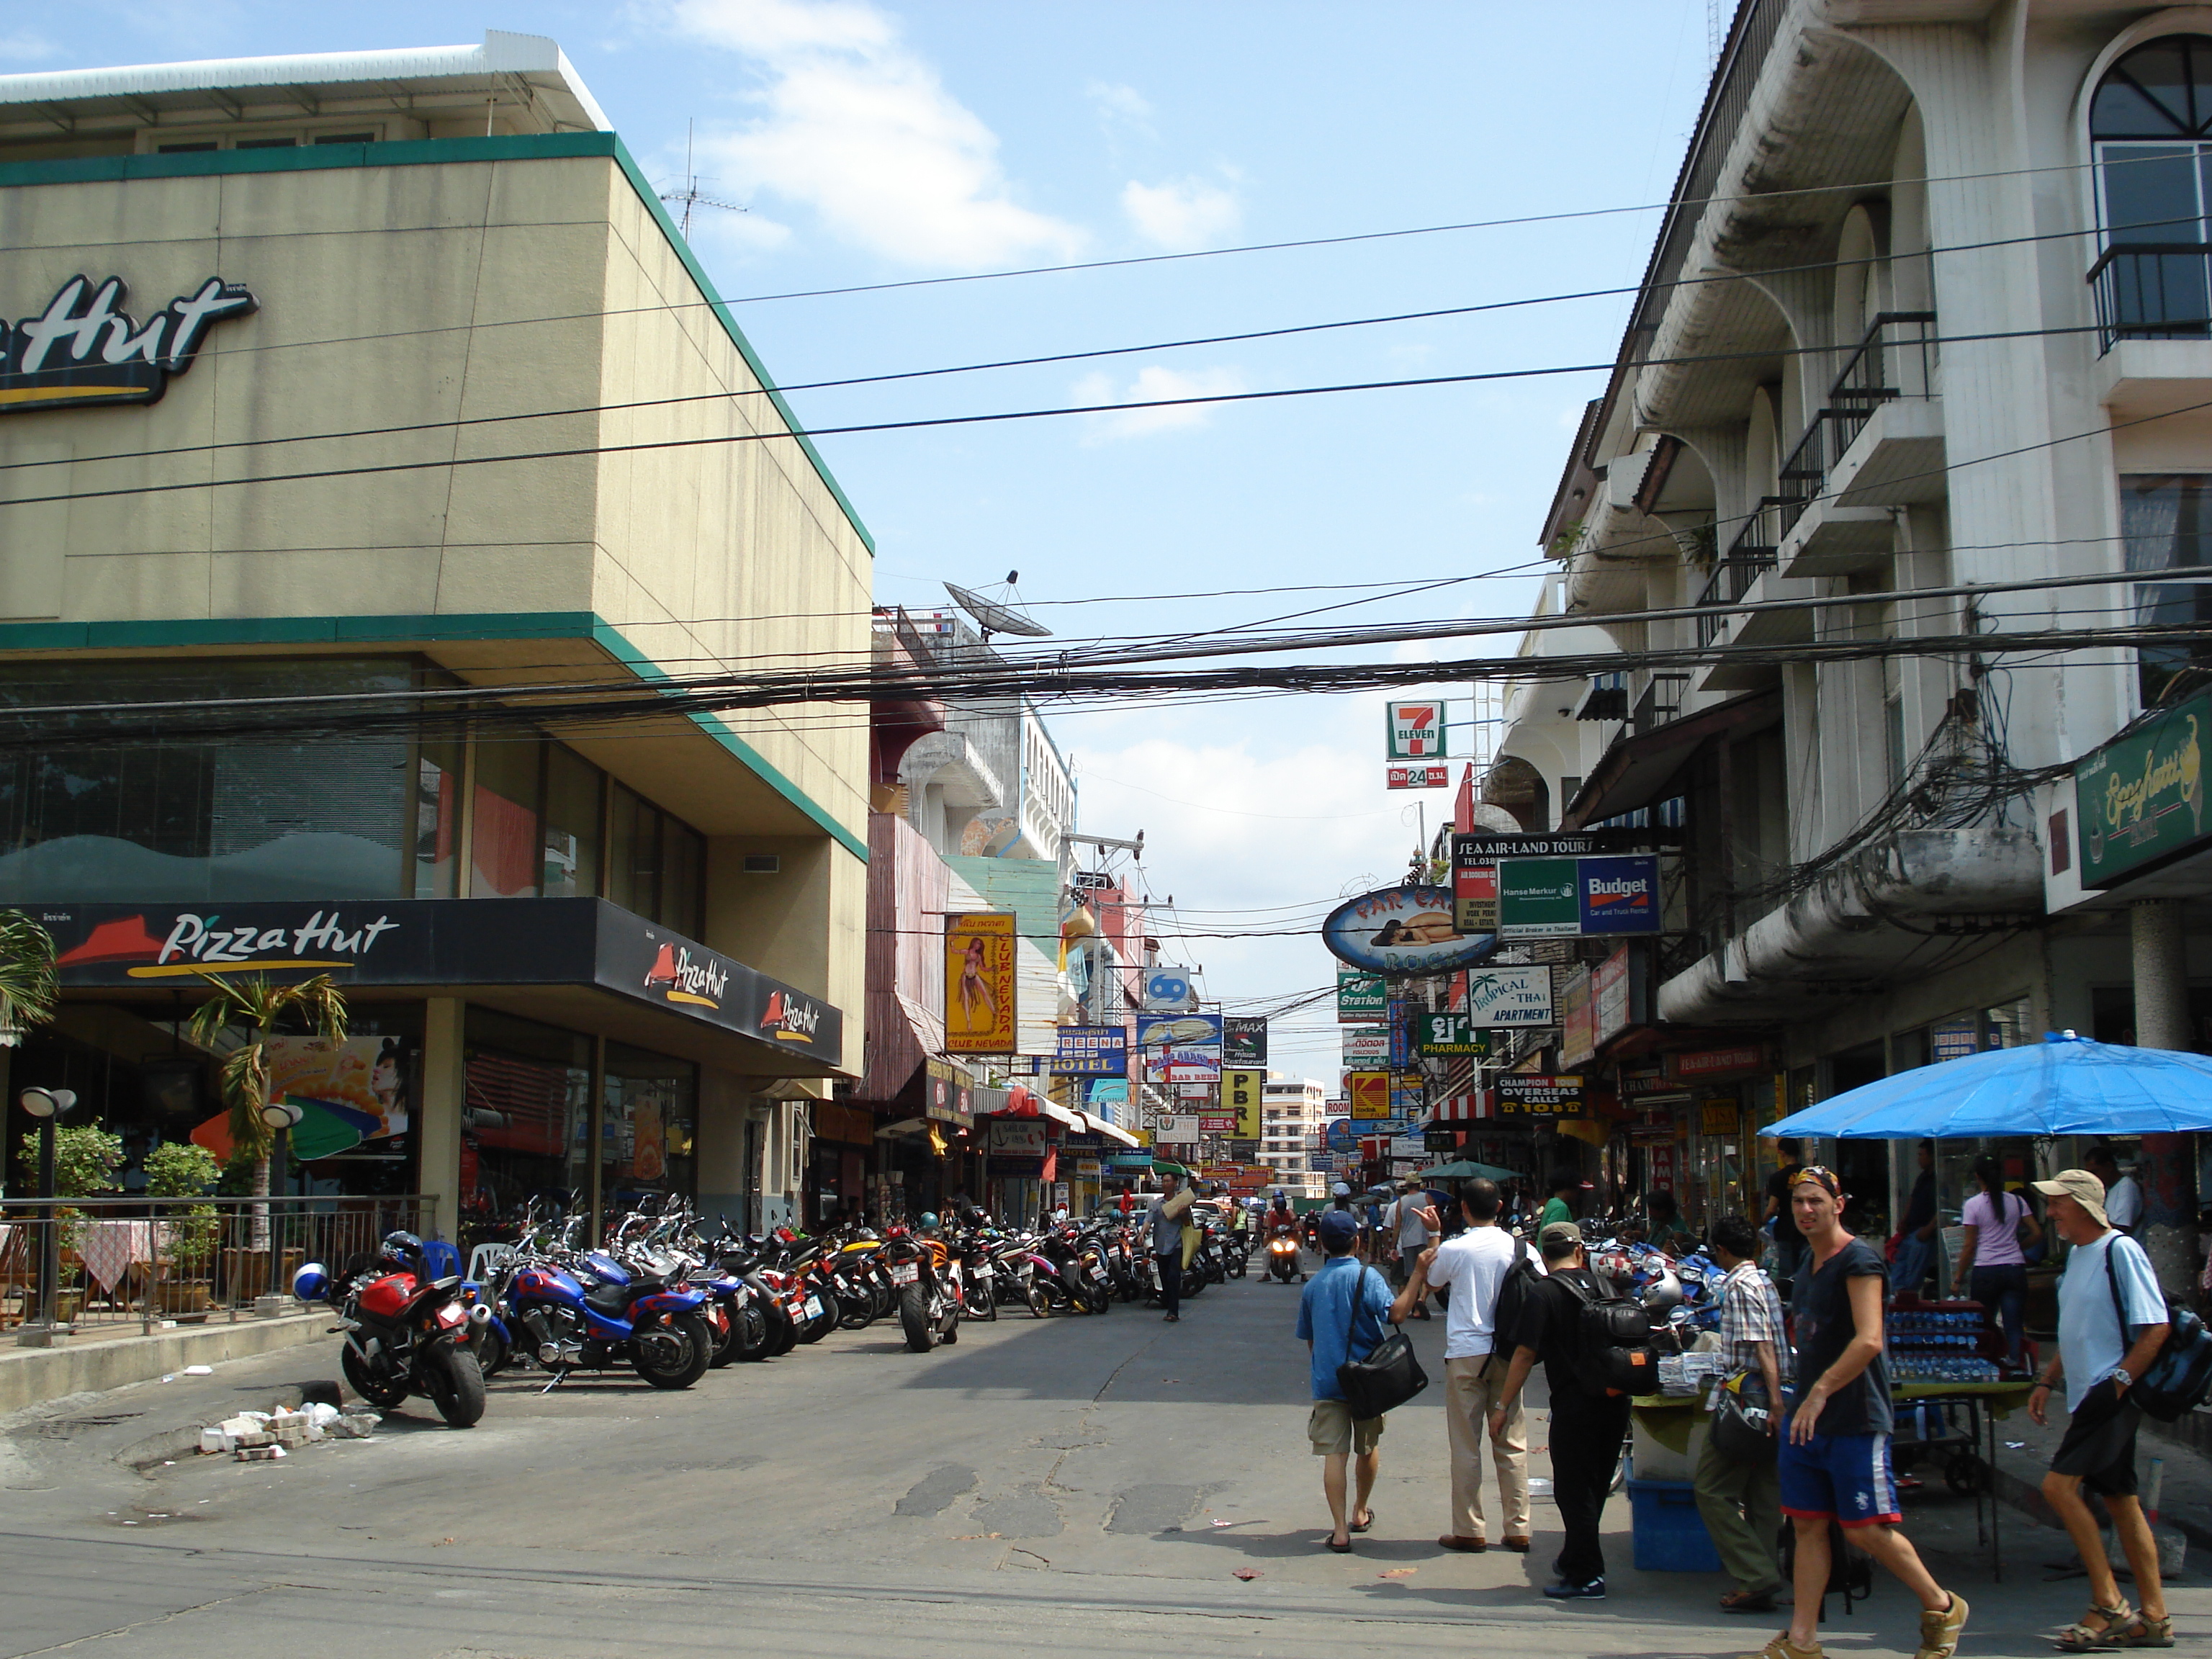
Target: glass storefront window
[188,821]
[437,819]
[526,1115]
[572,824]
[634,855]
[503,848]
[650,1116]
[687,868]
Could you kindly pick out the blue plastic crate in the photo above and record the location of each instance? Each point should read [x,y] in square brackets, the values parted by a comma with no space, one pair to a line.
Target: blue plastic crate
[1670,1535]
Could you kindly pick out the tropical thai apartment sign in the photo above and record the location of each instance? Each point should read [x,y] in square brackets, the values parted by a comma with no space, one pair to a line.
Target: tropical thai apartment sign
[84,348]
[2139,799]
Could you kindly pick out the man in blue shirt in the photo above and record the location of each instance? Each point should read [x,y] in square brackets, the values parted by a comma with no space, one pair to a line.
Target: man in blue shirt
[2112,1323]
[1340,1317]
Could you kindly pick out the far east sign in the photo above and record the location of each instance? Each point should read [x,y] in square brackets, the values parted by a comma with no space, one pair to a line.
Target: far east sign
[1402,930]
[84,348]
[1417,731]
[2139,799]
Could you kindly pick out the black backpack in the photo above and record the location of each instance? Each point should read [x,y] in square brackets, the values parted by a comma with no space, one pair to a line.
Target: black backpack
[1613,1339]
[1513,1293]
[2180,1378]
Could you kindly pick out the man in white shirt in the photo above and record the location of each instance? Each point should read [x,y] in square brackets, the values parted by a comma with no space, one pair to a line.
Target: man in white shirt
[2123,1197]
[1474,1267]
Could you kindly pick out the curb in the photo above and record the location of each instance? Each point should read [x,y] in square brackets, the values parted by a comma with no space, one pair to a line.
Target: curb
[2027,1498]
[174,1444]
[32,1376]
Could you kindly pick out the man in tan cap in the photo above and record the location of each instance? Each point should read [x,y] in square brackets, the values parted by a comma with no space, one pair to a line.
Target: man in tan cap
[2112,1323]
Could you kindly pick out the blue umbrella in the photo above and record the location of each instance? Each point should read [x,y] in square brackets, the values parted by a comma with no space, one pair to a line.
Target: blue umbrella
[2062,1085]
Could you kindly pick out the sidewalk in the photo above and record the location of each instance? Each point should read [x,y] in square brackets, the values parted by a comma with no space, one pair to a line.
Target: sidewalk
[82,1364]
[2186,1502]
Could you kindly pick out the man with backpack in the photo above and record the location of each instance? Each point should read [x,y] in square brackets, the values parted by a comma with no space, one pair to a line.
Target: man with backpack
[1833,1461]
[1488,1275]
[1589,1408]
[2112,1322]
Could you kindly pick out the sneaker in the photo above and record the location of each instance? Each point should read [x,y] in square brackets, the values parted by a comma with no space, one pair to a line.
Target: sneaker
[1939,1631]
[1783,1648]
[1563,1591]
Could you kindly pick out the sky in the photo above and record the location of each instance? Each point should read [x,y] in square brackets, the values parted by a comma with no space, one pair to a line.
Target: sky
[873,143]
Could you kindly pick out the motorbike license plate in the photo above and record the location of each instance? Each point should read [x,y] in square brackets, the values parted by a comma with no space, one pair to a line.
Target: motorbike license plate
[1098,1272]
[814,1307]
[904,1273]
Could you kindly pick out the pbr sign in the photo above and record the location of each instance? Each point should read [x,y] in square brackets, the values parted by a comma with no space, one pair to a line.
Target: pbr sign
[1417,732]
[1240,1095]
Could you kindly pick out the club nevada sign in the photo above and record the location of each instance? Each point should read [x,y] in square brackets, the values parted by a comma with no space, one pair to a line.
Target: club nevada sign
[84,348]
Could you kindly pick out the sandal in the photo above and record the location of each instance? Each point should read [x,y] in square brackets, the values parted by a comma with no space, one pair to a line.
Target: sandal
[2079,1637]
[1361,1526]
[2145,1632]
[1783,1648]
[1344,1548]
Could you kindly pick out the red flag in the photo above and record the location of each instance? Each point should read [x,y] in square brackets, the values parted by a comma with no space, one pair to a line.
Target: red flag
[1051,1164]
[1463,808]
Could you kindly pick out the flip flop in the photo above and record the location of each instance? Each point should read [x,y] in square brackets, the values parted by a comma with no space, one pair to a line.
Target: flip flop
[1363,1525]
[1344,1548]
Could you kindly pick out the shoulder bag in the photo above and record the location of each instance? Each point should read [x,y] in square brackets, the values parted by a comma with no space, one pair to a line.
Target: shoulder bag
[2180,1378]
[1387,1377]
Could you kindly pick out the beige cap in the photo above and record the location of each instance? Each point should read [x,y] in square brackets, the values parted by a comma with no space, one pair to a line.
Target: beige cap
[1555,1232]
[2081,1187]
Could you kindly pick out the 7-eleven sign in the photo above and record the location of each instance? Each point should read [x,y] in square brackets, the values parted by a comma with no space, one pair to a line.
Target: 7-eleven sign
[1417,730]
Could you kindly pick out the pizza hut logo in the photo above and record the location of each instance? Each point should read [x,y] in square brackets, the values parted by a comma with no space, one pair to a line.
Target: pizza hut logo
[199,944]
[679,978]
[790,1018]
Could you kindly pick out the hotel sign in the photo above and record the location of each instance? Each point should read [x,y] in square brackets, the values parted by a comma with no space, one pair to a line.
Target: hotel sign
[84,348]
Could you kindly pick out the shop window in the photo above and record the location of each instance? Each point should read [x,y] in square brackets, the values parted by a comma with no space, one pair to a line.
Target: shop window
[648,1122]
[2149,123]
[526,1115]
[172,820]
[687,867]
[571,840]
[2165,524]
[503,842]
[437,819]
[634,853]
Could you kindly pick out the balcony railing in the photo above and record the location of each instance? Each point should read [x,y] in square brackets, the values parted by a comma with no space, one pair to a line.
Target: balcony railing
[2153,291]
[1750,556]
[1896,359]
[1660,703]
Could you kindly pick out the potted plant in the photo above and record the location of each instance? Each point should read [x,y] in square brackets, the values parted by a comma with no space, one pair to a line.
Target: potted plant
[178,1170]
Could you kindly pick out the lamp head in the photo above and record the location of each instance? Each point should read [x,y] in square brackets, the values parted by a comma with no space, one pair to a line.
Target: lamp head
[42,1104]
[281,1114]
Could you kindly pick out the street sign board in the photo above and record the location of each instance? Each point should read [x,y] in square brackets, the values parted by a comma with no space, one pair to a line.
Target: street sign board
[1339,1134]
[1404,930]
[1366,1045]
[1243,1041]
[979,983]
[1361,998]
[1619,895]
[1240,1095]
[1170,990]
[1448,1034]
[1417,731]
[1533,1095]
[1509,996]
[1475,897]
[1092,1051]
[1538,898]
[1370,1094]
[1416,777]
[2140,798]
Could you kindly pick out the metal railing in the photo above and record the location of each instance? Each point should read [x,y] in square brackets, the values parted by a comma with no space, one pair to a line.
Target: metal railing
[1749,556]
[1659,703]
[1897,358]
[113,1259]
[2153,291]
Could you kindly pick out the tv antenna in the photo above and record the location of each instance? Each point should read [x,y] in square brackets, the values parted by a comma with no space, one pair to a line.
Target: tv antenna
[691,196]
[1003,615]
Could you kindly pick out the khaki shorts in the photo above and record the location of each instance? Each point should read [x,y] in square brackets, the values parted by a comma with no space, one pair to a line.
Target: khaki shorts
[1334,1434]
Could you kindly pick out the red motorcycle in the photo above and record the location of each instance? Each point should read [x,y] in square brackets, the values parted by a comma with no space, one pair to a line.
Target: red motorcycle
[405,1333]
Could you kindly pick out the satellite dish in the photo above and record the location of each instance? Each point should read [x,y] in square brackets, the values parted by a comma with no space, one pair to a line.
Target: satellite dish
[994,617]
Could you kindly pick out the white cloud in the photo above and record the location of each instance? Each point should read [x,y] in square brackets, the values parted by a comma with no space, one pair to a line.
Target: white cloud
[858,128]
[1154,384]
[22,46]
[1182,213]
[1122,109]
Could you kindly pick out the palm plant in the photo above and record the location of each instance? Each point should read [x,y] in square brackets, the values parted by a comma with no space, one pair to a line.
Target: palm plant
[258,1008]
[29,988]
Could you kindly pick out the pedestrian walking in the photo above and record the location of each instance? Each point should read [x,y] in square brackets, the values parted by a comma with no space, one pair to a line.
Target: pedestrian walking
[1163,1224]
[1588,1424]
[1340,1318]
[1741,1500]
[2112,1323]
[1915,1236]
[1834,1457]
[1560,1207]
[1473,1267]
[1992,1261]
[1788,1242]
[1409,1221]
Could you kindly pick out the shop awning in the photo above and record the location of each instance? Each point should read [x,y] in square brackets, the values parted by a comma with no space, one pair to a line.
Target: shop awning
[1636,769]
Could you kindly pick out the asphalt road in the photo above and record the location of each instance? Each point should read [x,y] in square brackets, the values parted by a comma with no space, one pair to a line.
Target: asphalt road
[1071,1486]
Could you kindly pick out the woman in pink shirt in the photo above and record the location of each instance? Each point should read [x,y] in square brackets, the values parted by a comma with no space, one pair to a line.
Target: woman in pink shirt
[1992,1261]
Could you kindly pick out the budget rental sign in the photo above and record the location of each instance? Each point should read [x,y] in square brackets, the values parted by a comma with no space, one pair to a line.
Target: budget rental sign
[1619,895]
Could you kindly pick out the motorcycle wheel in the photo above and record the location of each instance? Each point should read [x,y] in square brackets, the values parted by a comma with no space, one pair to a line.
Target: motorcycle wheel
[750,1331]
[855,1313]
[783,1334]
[491,1351]
[725,1341]
[948,1330]
[675,1370]
[913,1319]
[1040,1303]
[1192,1285]
[457,1385]
[988,1295]
[380,1394]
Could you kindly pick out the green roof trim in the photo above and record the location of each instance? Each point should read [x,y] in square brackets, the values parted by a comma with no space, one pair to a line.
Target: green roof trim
[431,152]
[218,632]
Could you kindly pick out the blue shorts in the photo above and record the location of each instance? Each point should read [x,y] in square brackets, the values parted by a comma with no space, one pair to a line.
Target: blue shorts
[1843,1478]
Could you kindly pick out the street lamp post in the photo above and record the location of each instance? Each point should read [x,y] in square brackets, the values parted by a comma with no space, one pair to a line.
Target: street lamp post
[282,1116]
[46,1105]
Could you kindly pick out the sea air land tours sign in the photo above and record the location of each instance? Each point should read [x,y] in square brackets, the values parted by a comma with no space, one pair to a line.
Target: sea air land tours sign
[1402,930]
[2139,799]
[84,348]
[424,943]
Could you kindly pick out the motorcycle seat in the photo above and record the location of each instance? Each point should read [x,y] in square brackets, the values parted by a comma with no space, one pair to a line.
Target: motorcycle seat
[610,1301]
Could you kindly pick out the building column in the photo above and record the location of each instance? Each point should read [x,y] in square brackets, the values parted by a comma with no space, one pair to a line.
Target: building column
[2165,1171]
[438,1113]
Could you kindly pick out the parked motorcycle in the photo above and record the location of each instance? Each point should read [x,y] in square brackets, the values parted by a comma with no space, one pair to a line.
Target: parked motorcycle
[657,1328]
[930,1292]
[405,1333]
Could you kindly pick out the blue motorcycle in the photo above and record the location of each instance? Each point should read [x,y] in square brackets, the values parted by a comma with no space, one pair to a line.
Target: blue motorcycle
[658,1329]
